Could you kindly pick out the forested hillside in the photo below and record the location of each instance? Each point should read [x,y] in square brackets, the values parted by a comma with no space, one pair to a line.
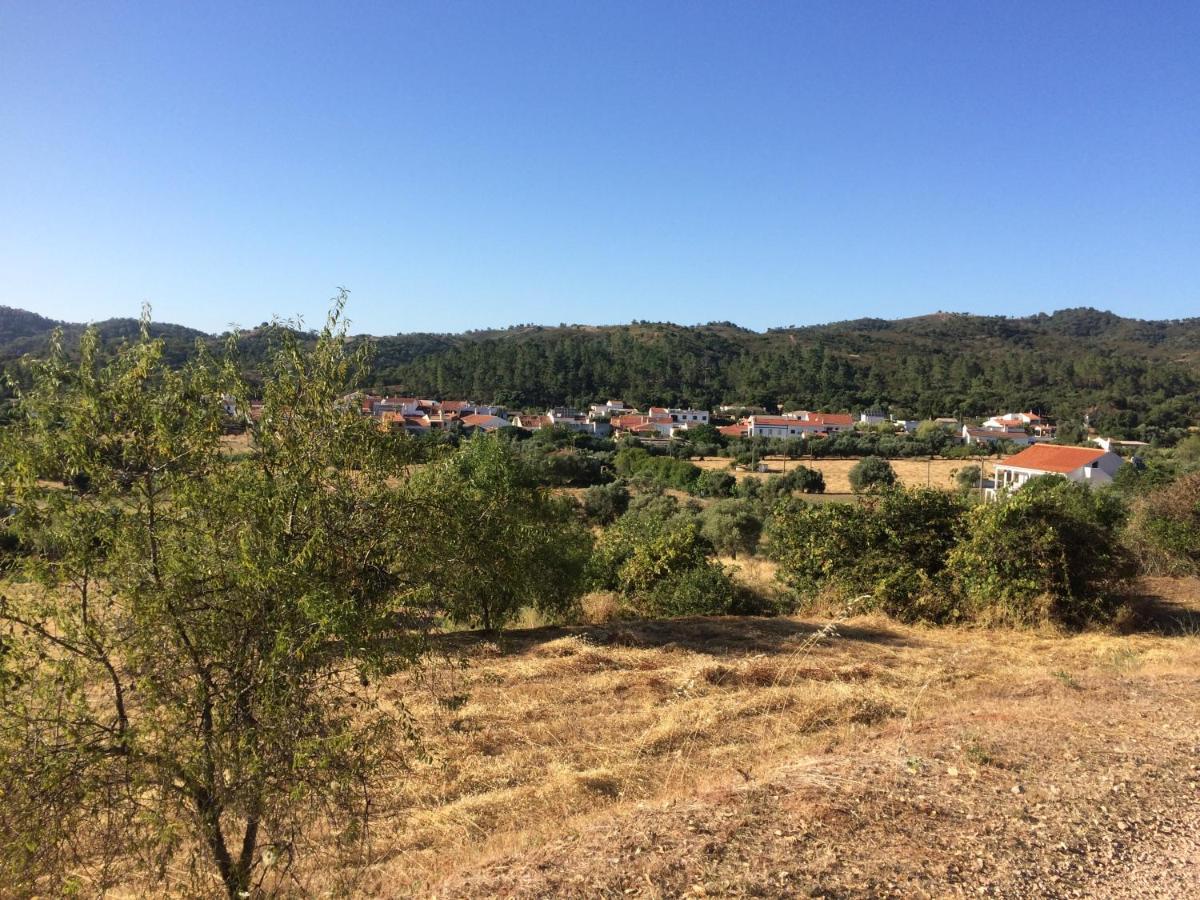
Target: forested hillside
[1123,373]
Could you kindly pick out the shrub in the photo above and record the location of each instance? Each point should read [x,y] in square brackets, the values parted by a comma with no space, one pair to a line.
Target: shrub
[660,564]
[1164,528]
[604,503]
[715,483]
[872,473]
[1046,553]
[665,471]
[893,547]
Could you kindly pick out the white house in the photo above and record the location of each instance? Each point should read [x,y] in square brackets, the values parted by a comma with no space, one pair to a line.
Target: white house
[688,416]
[780,427]
[1087,465]
[872,417]
[609,409]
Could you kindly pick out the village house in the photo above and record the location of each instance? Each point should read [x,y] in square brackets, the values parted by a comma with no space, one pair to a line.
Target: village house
[484,422]
[872,417]
[824,422]
[972,435]
[688,416]
[780,427]
[1086,465]
[609,409]
[1022,421]
[531,421]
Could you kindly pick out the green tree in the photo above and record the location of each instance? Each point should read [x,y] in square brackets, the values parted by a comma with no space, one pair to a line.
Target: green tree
[604,503]
[871,473]
[181,628]
[732,526]
[968,478]
[503,540]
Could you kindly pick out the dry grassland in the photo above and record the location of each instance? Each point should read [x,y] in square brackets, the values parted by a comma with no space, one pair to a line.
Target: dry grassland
[911,472]
[787,757]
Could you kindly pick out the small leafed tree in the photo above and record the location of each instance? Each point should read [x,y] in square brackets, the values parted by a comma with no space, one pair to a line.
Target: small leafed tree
[503,540]
[186,635]
[871,473]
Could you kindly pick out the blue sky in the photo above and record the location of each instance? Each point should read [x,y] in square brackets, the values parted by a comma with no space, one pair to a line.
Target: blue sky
[462,165]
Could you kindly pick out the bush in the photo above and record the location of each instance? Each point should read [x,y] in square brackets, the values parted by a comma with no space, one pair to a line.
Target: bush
[1164,528]
[893,547]
[872,473]
[604,503]
[715,483]
[665,471]
[1047,553]
[660,565]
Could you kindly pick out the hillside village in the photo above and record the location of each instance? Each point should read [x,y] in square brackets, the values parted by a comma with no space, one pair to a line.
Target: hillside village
[1028,432]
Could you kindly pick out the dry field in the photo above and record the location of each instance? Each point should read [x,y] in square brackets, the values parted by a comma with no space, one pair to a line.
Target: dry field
[911,472]
[790,757]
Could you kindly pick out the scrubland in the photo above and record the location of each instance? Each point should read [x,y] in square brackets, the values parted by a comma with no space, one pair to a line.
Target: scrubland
[786,756]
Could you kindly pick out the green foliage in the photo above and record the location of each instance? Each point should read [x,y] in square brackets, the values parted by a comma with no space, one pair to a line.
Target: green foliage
[659,561]
[503,540]
[604,503]
[715,483]
[732,526]
[664,471]
[181,629]
[892,547]
[1133,378]
[872,473]
[968,478]
[1164,527]
[1046,553]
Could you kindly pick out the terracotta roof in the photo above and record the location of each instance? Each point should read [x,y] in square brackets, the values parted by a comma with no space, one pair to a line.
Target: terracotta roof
[475,420]
[832,418]
[733,430]
[1053,458]
[780,421]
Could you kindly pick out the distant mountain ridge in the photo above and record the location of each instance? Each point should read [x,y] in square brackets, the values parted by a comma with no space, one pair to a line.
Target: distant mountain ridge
[1127,374]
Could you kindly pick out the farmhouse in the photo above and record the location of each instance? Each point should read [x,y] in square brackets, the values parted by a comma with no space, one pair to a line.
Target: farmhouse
[1087,465]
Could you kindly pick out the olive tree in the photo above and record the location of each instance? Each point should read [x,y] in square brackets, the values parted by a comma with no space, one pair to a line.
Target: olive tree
[187,635]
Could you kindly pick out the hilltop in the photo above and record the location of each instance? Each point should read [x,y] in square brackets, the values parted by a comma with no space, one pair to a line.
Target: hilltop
[1125,374]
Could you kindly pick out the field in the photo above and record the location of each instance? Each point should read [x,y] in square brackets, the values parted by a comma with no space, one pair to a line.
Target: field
[911,472]
[792,757]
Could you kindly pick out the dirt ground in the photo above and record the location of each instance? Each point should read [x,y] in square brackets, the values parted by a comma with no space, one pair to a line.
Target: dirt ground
[784,757]
[911,472]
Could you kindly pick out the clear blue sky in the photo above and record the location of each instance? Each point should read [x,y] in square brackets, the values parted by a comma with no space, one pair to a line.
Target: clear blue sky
[463,165]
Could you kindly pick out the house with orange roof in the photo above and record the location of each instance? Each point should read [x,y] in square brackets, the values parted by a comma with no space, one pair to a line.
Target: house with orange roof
[1086,465]
[484,422]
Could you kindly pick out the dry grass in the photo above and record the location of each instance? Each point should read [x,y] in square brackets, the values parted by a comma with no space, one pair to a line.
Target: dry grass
[571,729]
[911,472]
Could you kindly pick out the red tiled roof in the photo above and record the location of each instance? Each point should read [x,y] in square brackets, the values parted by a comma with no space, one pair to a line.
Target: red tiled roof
[476,420]
[1053,458]
[733,430]
[777,421]
[832,418]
